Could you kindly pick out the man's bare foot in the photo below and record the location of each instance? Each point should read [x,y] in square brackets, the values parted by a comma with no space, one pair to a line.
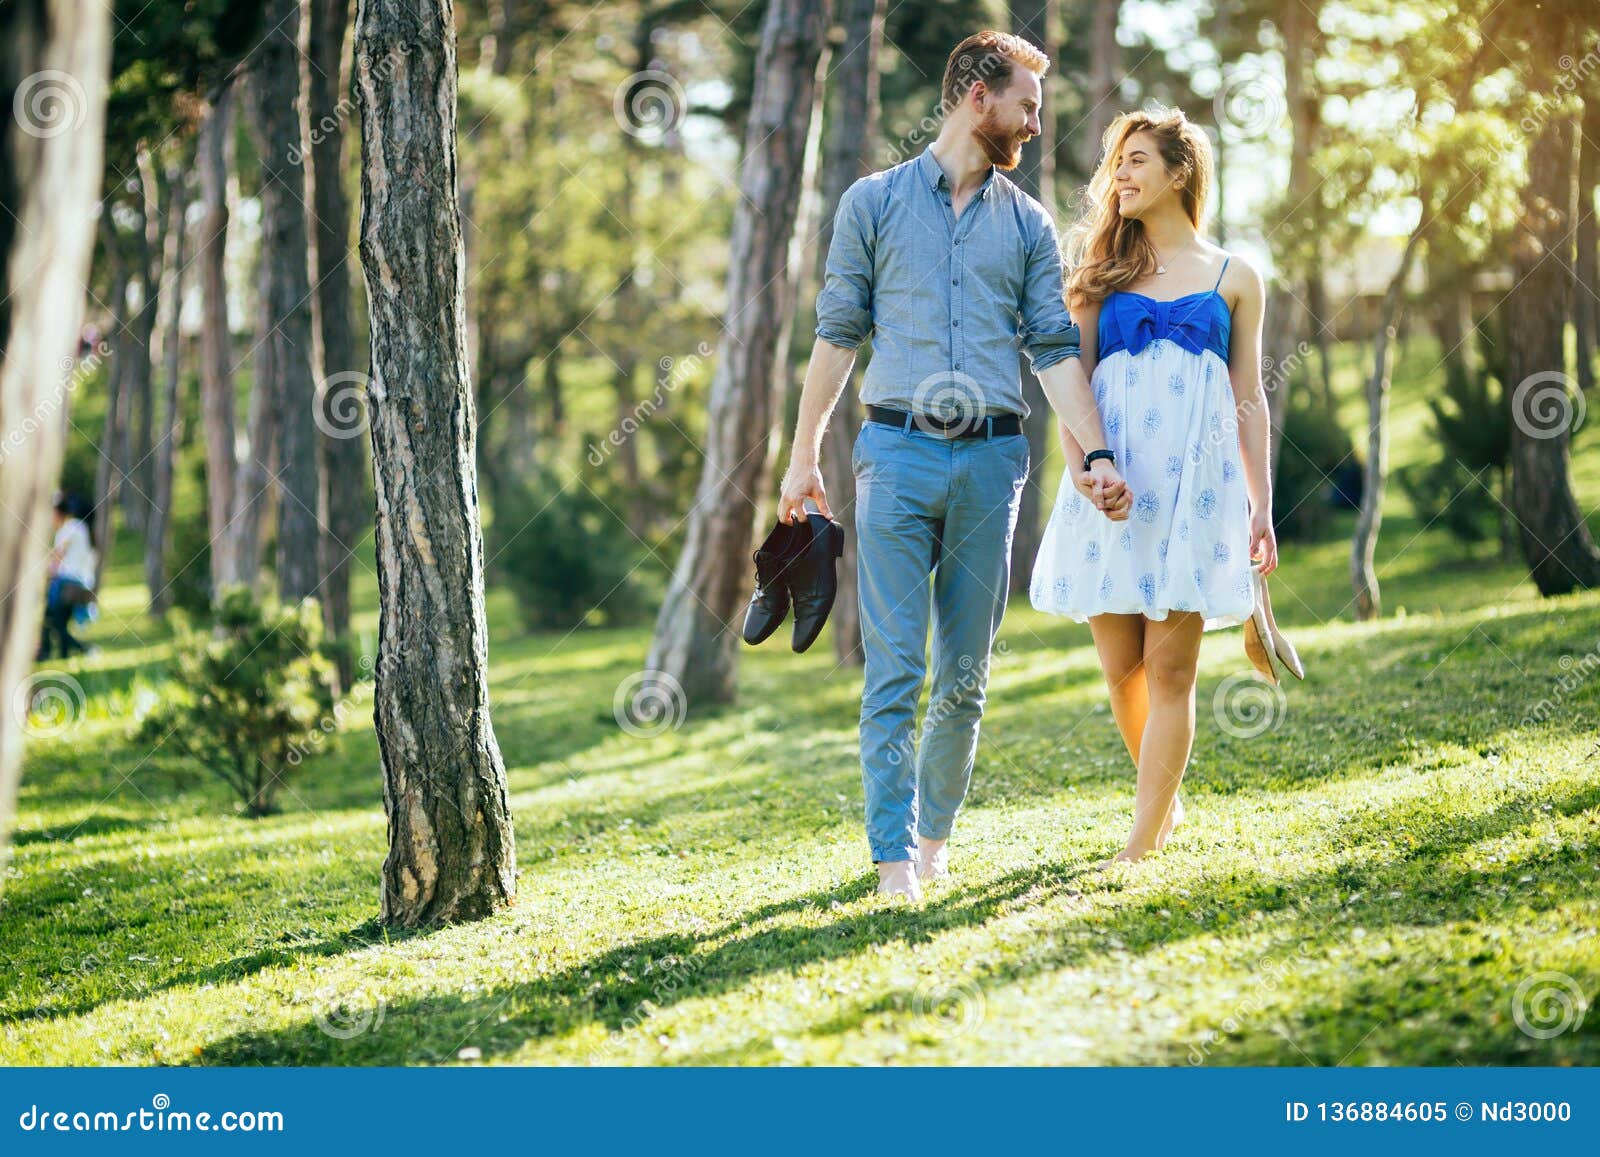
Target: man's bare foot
[896,878]
[934,863]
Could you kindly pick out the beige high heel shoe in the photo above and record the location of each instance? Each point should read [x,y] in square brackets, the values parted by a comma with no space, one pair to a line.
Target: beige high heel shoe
[1263,639]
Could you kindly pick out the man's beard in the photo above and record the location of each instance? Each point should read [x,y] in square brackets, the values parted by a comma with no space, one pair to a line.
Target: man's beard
[1001,148]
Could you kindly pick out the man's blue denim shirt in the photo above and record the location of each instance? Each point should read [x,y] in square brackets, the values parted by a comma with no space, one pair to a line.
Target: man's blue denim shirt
[947,304]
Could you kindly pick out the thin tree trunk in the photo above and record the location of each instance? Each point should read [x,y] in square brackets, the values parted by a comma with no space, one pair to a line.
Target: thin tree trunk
[108,471]
[451,853]
[1586,290]
[273,101]
[1560,552]
[160,516]
[138,392]
[49,179]
[253,490]
[1364,541]
[1033,20]
[341,491]
[693,657]
[216,350]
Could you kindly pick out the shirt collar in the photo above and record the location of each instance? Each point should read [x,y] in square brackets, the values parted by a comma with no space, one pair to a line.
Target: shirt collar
[933,173]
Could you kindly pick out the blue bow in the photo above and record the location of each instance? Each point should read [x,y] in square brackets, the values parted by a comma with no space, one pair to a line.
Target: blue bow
[1186,322]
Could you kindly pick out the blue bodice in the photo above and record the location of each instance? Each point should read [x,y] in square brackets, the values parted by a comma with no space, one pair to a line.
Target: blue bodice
[1196,321]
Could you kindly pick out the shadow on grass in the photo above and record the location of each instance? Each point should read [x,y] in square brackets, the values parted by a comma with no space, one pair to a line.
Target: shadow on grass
[623,986]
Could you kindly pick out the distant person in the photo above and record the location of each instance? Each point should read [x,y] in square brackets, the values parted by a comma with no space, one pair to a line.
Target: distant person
[72,567]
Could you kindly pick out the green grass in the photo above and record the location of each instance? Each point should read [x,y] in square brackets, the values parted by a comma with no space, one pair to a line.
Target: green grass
[1368,881]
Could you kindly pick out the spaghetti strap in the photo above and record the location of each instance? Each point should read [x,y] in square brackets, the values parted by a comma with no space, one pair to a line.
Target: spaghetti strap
[1220,276]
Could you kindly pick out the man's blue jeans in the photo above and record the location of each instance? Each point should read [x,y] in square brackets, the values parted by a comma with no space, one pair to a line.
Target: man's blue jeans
[946,507]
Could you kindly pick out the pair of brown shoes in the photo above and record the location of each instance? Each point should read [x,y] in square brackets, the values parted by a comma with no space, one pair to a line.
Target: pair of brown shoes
[1263,640]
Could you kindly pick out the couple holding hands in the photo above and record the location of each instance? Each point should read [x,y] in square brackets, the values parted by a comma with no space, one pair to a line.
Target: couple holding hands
[949,267]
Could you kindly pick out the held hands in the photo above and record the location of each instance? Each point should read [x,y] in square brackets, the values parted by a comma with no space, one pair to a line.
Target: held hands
[1263,540]
[1102,485]
[803,480]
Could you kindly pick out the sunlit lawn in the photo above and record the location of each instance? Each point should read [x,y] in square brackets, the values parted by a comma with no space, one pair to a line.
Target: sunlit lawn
[1414,835]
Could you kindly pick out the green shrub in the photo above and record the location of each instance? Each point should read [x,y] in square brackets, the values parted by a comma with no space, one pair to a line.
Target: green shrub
[569,560]
[249,699]
[1314,446]
[189,547]
[1465,489]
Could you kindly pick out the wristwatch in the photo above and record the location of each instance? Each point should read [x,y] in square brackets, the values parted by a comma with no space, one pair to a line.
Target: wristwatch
[1108,455]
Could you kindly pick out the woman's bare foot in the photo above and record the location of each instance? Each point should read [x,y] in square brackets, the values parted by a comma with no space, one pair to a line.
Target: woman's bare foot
[1174,818]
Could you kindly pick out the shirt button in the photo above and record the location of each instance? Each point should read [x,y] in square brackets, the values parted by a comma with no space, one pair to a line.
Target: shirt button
[956,323]
[955,281]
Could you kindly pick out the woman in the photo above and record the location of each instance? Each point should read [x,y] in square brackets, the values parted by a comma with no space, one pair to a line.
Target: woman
[1169,322]
[72,567]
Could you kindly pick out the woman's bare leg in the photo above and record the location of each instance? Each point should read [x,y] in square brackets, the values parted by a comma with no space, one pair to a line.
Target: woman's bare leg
[1171,661]
[1119,639]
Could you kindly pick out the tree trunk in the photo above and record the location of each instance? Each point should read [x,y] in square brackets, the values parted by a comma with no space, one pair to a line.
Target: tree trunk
[1105,66]
[1556,542]
[108,473]
[253,488]
[852,135]
[693,655]
[160,514]
[138,393]
[341,491]
[272,99]
[1586,291]
[451,853]
[216,350]
[1033,20]
[1364,542]
[54,55]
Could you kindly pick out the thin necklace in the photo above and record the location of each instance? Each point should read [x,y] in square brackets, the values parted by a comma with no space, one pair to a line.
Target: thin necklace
[1161,266]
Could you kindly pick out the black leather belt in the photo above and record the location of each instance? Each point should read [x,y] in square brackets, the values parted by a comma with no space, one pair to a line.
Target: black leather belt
[993,426]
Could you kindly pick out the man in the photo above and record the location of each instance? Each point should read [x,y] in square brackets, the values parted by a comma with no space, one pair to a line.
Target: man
[947,266]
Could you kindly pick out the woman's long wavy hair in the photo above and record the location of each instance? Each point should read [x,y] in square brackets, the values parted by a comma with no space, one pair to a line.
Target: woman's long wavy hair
[1107,251]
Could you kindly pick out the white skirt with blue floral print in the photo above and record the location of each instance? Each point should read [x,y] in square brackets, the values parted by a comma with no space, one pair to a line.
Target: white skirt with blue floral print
[1169,415]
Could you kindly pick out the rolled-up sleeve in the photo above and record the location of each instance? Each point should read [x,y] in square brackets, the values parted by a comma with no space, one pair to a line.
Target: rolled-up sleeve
[844,307]
[1047,333]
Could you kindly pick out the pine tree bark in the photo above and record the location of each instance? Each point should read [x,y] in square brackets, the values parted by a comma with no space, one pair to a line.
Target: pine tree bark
[51,153]
[108,474]
[1560,552]
[852,135]
[175,258]
[274,104]
[254,492]
[138,389]
[216,348]
[1586,288]
[451,853]
[1033,20]
[693,654]
[342,489]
